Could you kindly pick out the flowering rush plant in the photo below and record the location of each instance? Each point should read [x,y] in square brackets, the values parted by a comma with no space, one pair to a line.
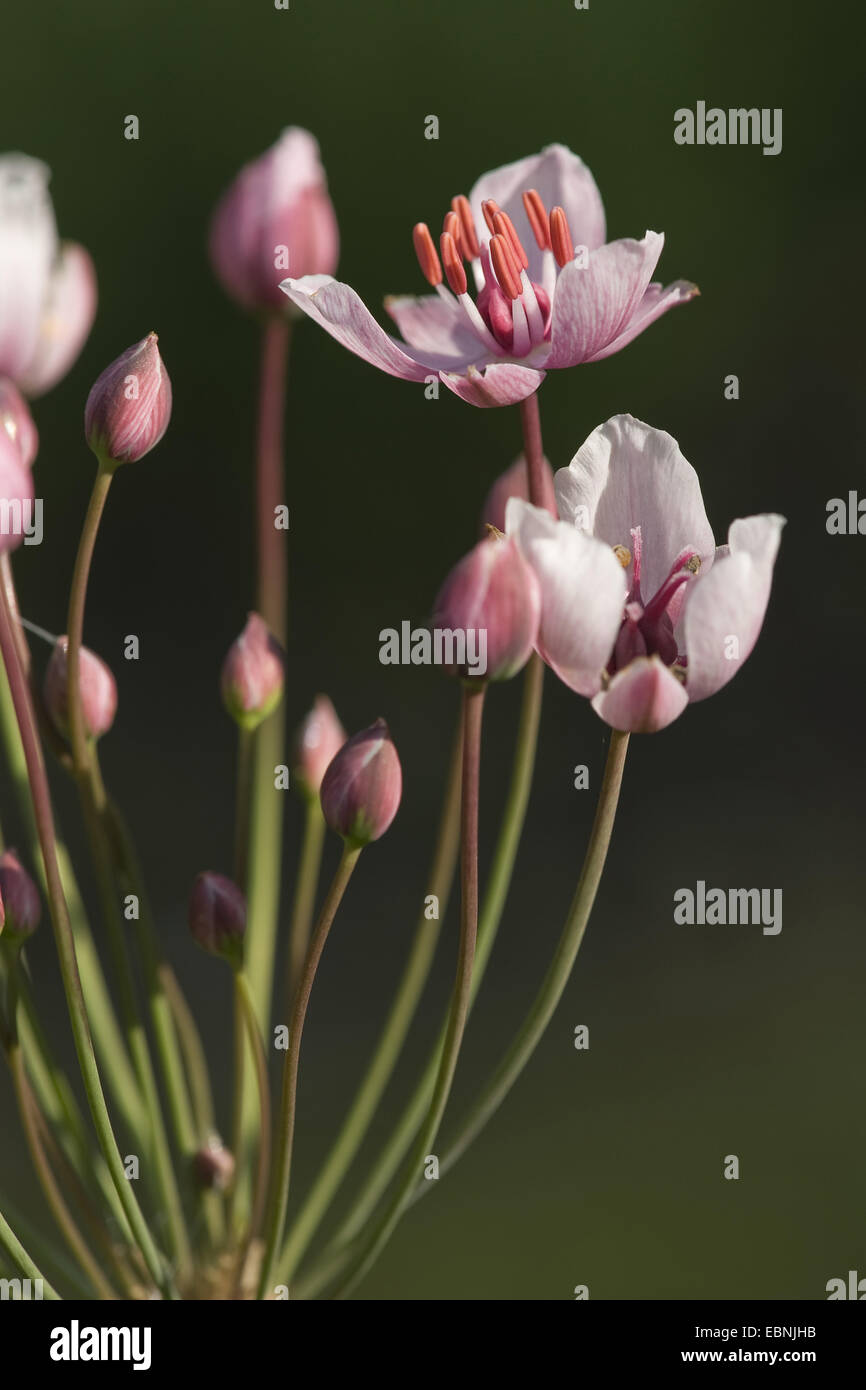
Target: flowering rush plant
[607,572]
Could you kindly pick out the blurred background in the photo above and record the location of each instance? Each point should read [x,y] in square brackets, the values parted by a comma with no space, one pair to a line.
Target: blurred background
[604,1167]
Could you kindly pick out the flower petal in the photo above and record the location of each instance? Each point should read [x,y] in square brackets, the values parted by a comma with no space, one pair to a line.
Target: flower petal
[67,318]
[28,242]
[342,313]
[642,698]
[593,303]
[497,384]
[583,590]
[628,474]
[430,324]
[562,179]
[725,609]
[655,302]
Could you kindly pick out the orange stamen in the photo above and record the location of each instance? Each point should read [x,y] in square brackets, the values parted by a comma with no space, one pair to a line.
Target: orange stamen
[505,266]
[454,272]
[426,253]
[537,214]
[462,207]
[451,226]
[503,224]
[560,237]
[490,209]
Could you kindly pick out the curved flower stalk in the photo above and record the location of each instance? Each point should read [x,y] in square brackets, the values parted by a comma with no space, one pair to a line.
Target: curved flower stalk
[641,611]
[539,303]
[47,287]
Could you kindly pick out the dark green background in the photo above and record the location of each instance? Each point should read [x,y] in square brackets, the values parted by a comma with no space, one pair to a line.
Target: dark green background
[604,1167]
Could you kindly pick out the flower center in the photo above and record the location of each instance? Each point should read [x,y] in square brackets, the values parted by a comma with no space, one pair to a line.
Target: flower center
[510,314]
[648,626]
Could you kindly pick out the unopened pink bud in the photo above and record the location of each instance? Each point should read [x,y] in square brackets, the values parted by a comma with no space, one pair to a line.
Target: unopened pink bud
[218,916]
[317,742]
[17,422]
[20,899]
[253,674]
[275,219]
[214,1166]
[16,494]
[129,407]
[514,482]
[493,598]
[362,786]
[98,690]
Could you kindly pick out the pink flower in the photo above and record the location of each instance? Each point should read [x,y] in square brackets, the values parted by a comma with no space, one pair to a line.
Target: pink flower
[276,215]
[362,786]
[16,492]
[537,305]
[253,674]
[639,609]
[317,742]
[493,593]
[47,288]
[98,690]
[129,405]
[17,422]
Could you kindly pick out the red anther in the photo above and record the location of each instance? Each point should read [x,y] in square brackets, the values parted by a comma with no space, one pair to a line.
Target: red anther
[537,214]
[507,270]
[462,207]
[454,272]
[451,225]
[503,224]
[425,250]
[560,237]
[490,209]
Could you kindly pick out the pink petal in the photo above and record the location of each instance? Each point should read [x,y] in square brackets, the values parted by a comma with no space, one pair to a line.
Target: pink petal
[431,324]
[730,603]
[628,474]
[655,302]
[340,311]
[67,318]
[642,698]
[583,590]
[594,303]
[28,241]
[562,179]
[497,384]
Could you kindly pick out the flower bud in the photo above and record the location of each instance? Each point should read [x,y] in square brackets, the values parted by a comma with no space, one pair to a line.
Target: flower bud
[493,597]
[129,407]
[218,916]
[214,1166]
[317,742]
[253,674]
[514,482]
[98,690]
[20,899]
[275,219]
[362,786]
[17,422]
[16,493]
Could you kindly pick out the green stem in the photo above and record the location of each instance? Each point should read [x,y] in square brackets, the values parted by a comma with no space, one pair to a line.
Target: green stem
[75,621]
[304,903]
[246,1008]
[67,957]
[362,1261]
[286,1127]
[393,1035]
[496,892]
[12,1246]
[107,1035]
[561,966]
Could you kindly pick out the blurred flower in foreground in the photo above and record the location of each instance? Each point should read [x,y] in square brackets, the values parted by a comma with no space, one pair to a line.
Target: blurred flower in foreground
[317,742]
[47,288]
[20,898]
[639,608]
[218,916]
[129,405]
[539,303]
[214,1166]
[493,593]
[275,217]
[17,422]
[362,787]
[253,674]
[98,691]
[16,492]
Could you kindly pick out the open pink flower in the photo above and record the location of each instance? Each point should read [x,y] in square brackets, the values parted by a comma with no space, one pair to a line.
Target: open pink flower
[47,288]
[537,304]
[640,610]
